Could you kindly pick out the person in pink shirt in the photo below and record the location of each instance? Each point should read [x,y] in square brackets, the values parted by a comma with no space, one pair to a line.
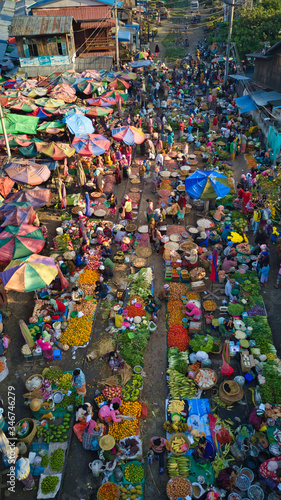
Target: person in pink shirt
[108,413]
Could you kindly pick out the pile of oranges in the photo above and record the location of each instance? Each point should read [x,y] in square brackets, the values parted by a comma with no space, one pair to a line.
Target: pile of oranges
[89,277]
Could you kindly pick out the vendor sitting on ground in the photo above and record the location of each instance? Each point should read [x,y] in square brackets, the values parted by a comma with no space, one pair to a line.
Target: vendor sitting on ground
[229,287]
[163,294]
[81,259]
[219,214]
[229,264]
[77,294]
[106,249]
[270,472]
[107,413]
[106,272]
[114,360]
[190,259]
[226,232]
[57,306]
[153,304]
[205,451]
[109,447]
[101,290]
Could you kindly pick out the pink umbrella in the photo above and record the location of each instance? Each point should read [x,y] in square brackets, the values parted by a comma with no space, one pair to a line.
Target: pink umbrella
[6,185]
[27,84]
[28,172]
[65,92]
[17,215]
[38,197]
[102,102]
[129,135]
[91,73]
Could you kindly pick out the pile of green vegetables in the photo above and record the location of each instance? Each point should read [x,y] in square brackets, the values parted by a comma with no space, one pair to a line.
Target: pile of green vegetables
[49,484]
[57,460]
[139,285]
[178,360]
[235,309]
[131,390]
[180,386]
[132,349]
[202,343]
[271,390]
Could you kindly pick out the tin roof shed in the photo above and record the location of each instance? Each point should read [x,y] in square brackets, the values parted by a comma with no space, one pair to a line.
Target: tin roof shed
[40,25]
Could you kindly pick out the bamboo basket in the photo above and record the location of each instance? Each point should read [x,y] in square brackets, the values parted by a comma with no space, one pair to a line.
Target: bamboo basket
[179,435]
[29,438]
[212,385]
[220,348]
[30,378]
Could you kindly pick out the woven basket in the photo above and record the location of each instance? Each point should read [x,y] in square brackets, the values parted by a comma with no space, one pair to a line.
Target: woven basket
[143,252]
[186,246]
[117,496]
[32,425]
[234,386]
[135,181]
[138,261]
[130,228]
[178,435]
[30,378]
[95,195]
[134,190]
[220,348]
[198,275]
[212,385]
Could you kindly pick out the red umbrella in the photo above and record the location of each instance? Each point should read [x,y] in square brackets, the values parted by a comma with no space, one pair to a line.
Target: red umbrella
[104,102]
[20,241]
[90,144]
[6,185]
[119,83]
[129,135]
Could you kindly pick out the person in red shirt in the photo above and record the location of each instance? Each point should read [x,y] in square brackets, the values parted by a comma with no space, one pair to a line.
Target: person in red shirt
[57,305]
[181,127]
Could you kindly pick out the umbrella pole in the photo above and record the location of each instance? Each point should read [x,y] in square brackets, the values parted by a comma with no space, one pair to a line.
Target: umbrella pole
[5,135]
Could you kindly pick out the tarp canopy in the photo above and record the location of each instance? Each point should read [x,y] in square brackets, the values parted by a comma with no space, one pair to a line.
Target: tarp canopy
[124,36]
[19,124]
[140,64]
[79,124]
[207,185]
[245,104]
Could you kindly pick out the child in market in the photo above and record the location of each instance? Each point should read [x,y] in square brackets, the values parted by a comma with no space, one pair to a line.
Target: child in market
[264,272]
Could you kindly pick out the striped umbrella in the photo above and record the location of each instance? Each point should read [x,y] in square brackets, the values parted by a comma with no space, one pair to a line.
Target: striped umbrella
[129,135]
[119,84]
[104,102]
[38,197]
[20,241]
[28,172]
[118,95]
[29,273]
[141,56]
[97,111]
[90,144]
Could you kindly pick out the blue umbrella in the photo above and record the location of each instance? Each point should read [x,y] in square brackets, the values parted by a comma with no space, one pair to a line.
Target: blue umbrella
[207,185]
[79,124]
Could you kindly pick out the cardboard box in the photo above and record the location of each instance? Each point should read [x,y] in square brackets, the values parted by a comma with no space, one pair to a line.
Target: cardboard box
[195,327]
[247,362]
[198,286]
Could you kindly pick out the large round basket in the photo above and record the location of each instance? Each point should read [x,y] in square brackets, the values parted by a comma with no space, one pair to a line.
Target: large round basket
[236,392]
[193,162]
[212,374]
[178,483]
[175,436]
[29,380]
[181,188]
[130,228]
[205,223]
[197,274]
[143,229]
[165,174]
[143,252]
[135,181]
[172,245]
[186,246]
[138,261]
[114,486]
[134,190]
[96,195]
[209,305]
[175,237]
[32,427]
[77,209]
[100,212]
[219,348]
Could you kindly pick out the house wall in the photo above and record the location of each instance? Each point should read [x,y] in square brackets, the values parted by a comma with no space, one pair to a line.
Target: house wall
[48,54]
[268,72]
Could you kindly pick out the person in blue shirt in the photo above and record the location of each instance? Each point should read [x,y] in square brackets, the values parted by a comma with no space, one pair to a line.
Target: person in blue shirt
[226,232]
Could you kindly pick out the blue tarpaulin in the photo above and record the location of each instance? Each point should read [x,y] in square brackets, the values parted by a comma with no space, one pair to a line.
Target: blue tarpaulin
[79,124]
[124,36]
[245,104]
[140,64]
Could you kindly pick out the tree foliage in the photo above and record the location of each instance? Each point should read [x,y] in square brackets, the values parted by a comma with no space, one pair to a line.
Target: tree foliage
[252,28]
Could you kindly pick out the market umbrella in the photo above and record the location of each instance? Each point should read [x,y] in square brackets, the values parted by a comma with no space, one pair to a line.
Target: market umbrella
[6,185]
[36,92]
[15,140]
[28,172]
[91,73]
[102,101]
[88,87]
[55,150]
[141,56]
[18,215]
[65,92]
[220,59]
[116,94]
[51,127]
[119,84]
[29,273]
[49,103]
[26,84]
[129,135]
[40,113]
[207,185]
[129,76]
[97,111]
[90,144]
[79,124]
[20,241]
[60,79]
[38,197]
[26,107]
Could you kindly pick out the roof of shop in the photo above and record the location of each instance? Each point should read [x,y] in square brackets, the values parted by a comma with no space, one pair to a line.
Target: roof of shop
[40,25]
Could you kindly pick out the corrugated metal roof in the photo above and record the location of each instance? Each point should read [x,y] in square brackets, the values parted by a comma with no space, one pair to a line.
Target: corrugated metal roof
[262,98]
[46,2]
[97,24]
[38,25]
[79,13]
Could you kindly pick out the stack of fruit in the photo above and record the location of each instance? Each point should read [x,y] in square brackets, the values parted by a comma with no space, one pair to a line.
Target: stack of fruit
[178,466]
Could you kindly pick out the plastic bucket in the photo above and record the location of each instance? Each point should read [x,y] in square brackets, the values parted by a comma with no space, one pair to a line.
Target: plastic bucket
[151,326]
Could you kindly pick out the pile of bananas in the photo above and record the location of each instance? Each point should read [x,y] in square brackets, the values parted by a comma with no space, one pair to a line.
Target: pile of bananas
[172,427]
[178,466]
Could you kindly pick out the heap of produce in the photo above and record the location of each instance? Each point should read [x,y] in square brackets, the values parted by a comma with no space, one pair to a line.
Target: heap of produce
[49,484]
[178,466]
[134,473]
[57,460]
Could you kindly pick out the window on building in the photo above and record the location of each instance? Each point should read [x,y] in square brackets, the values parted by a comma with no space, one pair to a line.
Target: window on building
[30,49]
[62,48]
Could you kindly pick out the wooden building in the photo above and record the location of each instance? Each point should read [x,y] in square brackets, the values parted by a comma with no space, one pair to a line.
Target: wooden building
[45,41]
[93,21]
[267,72]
